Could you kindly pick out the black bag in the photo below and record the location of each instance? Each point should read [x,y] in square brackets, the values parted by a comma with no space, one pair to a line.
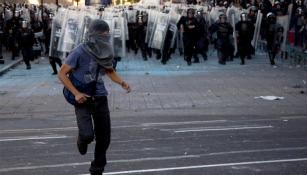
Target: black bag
[87,88]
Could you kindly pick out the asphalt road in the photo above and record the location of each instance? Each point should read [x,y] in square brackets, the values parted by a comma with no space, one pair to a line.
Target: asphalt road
[198,120]
[185,145]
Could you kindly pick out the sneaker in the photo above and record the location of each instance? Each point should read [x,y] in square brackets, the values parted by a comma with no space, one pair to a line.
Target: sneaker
[82,147]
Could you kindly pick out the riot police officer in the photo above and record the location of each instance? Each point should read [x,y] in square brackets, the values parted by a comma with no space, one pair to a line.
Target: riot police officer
[26,40]
[203,42]
[274,36]
[12,29]
[190,34]
[224,32]
[141,35]
[298,24]
[245,31]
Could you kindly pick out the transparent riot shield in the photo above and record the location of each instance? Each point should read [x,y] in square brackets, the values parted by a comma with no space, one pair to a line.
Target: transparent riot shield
[234,10]
[284,21]
[152,16]
[56,32]
[174,19]
[257,30]
[160,30]
[119,41]
[84,29]
[234,34]
[72,27]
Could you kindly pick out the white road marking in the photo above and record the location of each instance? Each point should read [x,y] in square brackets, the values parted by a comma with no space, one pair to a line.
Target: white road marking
[157,159]
[183,123]
[124,126]
[33,138]
[221,129]
[256,150]
[87,163]
[37,130]
[206,166]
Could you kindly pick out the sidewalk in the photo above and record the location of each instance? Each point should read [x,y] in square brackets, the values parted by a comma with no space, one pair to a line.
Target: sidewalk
[8,62]
[206,88]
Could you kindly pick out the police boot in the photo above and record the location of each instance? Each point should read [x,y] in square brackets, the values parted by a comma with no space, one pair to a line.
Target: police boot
[242,61]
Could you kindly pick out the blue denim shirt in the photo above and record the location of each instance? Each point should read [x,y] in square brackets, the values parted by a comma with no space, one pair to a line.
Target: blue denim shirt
[85,68]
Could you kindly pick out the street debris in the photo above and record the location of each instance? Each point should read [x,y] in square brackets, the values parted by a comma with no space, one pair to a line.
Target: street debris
[270,98]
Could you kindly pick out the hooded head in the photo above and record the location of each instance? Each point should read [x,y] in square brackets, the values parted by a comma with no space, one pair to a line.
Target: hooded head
[98,27]
[98,43]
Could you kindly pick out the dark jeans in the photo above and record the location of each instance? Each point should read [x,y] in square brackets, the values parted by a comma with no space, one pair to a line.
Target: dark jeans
[93,119]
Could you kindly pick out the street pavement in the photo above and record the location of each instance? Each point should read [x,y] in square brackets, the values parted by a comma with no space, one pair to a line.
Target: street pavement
[202,119]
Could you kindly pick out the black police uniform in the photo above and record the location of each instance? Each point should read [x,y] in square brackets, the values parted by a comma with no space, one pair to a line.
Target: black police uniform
[274,37]
[190,34]
[26,40]
[223,43]
[245,31]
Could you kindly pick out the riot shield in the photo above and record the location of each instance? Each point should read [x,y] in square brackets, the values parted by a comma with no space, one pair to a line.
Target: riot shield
[152,16]
[174,19]
[284,21]
[257,29]
[72,27]
[56,32]
[119,41]
[160,30]
[236,11]
[234,34]
[83,32]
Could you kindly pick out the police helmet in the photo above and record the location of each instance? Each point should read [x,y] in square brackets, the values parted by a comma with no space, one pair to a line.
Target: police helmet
[225,3]
[271,17]
[276,3]
[253,8]
[299,11]
[199,11]
[243,16]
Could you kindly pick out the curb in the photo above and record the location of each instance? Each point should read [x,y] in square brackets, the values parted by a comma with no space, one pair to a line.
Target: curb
[9,66]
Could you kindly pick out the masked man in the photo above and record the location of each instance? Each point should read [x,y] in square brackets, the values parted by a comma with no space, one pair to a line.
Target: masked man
[88,63]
